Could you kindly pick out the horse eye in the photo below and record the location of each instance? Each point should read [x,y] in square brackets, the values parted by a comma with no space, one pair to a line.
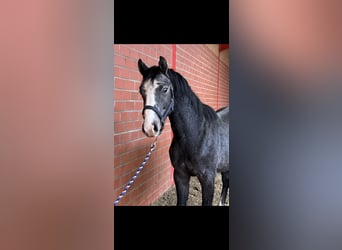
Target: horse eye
[165,89]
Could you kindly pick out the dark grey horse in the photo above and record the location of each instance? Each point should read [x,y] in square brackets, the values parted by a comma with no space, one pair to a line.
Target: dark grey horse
[200,145]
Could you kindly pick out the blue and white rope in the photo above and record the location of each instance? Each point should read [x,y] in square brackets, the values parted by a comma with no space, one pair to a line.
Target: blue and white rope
[147,157]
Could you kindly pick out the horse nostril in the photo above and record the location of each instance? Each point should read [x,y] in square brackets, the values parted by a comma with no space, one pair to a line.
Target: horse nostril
[155,128]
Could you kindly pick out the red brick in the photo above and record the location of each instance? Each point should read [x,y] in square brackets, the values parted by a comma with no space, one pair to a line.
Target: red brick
[123,106]
[119,60]
[124,138]
[137,85]
[141,56]
[116,48]
[131,164]
[124,73]
[124,50]
[122,95]
[125,169]
[137,47]
[154,53]
[135,96]
[118,171]
[138,123]
[122,181]
[117,116]
[123,127]
[117,139]
[137,134]
[116,161]
[129,85]
[137,147]
[138,105]
[132,64]
[119,149]
[135,144]
[134,54]
[116,71]
[130,116]
[147,50]
[123,84]
[135,75]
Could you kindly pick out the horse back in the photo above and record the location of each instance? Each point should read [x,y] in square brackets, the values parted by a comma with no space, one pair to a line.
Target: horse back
[223,113]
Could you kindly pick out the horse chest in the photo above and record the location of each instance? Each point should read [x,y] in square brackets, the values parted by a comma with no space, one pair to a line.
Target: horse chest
[190,159]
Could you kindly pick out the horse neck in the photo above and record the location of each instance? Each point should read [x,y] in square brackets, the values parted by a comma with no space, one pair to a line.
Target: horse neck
[186,120]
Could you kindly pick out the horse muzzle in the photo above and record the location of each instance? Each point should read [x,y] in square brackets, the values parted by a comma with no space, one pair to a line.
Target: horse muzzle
[154,121]
[152,129]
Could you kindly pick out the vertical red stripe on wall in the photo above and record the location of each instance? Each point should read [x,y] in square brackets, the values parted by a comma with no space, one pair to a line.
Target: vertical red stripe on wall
[218,78]
[174,56]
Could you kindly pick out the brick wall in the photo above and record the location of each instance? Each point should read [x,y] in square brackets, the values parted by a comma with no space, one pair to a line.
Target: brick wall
[208,77]
[223,84]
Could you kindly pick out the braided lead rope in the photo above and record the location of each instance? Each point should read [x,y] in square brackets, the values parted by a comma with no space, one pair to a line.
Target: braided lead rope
[129,184]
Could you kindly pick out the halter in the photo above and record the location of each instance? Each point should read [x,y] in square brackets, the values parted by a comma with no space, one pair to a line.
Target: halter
[162,117]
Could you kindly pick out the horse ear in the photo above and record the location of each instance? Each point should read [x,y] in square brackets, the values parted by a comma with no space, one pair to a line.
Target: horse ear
[163,65]
[142,67]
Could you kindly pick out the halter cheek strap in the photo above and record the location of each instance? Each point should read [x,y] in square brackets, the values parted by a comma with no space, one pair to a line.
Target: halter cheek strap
[162,117]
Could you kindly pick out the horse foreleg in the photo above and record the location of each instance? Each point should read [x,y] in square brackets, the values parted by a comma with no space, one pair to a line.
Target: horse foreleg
[208,185]
[182,179]
[225,186]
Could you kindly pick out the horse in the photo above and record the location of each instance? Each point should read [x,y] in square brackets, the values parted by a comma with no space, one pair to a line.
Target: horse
[200,144]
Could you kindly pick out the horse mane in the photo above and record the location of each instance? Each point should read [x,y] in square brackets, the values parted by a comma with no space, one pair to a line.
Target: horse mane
[182,89]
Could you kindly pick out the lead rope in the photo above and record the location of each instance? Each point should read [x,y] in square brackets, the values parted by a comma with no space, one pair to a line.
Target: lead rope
[129,184]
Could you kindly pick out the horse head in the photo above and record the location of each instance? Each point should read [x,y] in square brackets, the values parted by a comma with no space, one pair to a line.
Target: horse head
[157,93]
